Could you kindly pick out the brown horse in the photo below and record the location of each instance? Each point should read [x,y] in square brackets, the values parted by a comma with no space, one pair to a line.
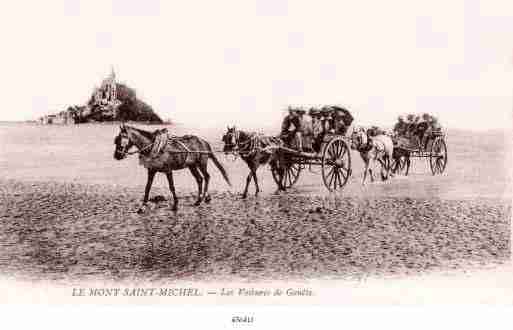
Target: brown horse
[176,153]
[255,150]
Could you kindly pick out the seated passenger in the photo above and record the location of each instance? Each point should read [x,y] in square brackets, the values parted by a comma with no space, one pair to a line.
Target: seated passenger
[327,119]
[432,126]
[317,124]
[342,120]
[422,128]
[291,128]
[412,124]
[317,128]
[400,127]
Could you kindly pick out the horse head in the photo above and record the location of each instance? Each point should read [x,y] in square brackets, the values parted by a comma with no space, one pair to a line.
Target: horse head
[358,138]
[122,142]
[230,139]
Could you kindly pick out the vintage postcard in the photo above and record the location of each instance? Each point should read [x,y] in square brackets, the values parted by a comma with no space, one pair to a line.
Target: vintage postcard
[256,153]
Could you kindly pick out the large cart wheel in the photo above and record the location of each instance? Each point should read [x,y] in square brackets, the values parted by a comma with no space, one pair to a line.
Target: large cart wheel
[401,166]
[336,164]
[438,156]
[290,175]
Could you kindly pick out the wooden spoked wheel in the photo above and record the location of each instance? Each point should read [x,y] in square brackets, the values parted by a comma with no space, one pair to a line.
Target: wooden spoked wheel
[438,156]
[336,164]
[290,175]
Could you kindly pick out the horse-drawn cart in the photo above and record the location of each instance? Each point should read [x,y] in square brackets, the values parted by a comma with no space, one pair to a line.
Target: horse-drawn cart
[433,148]
[334,158]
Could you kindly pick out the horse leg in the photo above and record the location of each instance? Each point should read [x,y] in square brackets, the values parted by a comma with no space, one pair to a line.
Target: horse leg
[277,164]
[385,167]
[248,180]
[281,173]
[396,164]
[206,176]
[371,172]
[272,163]
[389,166]
[387,163]
[253,172]
[172,189]
[199,180]
[372,161]
[365,170]
[149,182]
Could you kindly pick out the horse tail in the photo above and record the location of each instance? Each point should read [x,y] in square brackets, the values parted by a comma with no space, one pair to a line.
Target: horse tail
[219,166]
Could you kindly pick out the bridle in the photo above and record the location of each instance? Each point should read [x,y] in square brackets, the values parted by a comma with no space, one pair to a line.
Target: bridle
[239,147]
[236,140]
[124,151]
[357,139]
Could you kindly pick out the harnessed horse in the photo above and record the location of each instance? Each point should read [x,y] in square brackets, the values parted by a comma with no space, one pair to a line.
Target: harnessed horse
[255,150]
[167,155]
[378,148]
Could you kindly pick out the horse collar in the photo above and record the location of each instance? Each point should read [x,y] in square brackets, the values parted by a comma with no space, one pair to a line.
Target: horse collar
[141,150]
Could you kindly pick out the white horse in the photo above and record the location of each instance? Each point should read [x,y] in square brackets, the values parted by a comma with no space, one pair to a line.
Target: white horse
[377,148]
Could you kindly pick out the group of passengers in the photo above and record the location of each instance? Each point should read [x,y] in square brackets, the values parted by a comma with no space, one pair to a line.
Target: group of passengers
[416,126]
[326,120]
[308,135]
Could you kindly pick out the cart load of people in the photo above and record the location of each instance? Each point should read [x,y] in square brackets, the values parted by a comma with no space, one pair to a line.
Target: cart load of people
[416,130]
[331,119]
[307,135]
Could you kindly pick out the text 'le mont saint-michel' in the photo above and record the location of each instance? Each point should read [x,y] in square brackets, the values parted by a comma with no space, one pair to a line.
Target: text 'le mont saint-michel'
[188,292]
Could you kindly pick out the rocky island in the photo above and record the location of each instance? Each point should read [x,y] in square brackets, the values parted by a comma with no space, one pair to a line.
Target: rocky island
[112,101]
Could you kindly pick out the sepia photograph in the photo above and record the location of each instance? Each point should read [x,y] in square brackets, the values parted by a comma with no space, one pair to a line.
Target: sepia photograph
[254,153]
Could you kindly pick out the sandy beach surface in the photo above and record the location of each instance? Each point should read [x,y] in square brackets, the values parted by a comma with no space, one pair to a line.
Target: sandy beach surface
[68,214]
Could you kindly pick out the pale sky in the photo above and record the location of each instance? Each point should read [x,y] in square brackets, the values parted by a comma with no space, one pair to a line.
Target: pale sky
[218,62]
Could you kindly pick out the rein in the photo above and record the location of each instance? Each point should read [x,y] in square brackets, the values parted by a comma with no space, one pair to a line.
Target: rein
[148,146]
[138,150]
[247,147]
[361,147]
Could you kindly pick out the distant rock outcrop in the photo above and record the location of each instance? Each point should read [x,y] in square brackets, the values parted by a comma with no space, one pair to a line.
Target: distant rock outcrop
[112,101]
[132,108]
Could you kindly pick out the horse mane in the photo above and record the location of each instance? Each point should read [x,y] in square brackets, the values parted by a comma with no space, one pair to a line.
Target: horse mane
[146,134]
[247,134]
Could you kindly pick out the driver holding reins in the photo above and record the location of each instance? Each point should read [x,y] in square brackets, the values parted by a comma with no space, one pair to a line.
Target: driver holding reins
[292,127]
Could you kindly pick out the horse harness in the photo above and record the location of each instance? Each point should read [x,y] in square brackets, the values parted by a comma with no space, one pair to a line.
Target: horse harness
[371,143]
[253,144]
[160,142]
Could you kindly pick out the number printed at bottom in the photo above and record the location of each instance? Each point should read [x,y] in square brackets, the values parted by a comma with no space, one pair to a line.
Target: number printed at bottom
[242,319]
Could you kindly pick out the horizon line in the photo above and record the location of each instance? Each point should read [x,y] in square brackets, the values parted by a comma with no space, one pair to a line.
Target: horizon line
[218,126]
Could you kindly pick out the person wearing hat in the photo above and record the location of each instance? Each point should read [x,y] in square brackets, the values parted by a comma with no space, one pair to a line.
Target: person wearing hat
[318,128]
[305,132]
[434,124]
[291,127]
[342,119]
[400,127]
[314,113]
[431,126]
[422,127]
[327,119]
[410,125]
[374,131]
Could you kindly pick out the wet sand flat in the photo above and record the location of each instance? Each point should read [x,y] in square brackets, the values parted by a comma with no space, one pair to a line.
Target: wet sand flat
[68,211]
[62,231]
